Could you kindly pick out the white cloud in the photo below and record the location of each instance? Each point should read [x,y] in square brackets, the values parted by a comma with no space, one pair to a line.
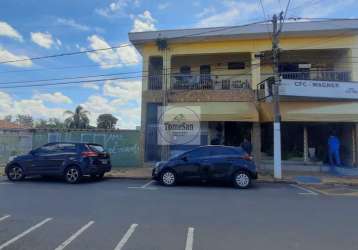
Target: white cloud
[8,31]
[128,116]
[163,6]
[325,8]
[123,90]
[42,39]
[90,85]
[56,97]
[206,12]
[73,24]
[117,8]
[144,22]
[58,41]
[111,58]
[6,55]
[33,107]
[233,13]
[76,25]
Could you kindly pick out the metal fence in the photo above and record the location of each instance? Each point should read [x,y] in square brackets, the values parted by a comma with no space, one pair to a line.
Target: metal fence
[342,76]
[209,81]
[123,145]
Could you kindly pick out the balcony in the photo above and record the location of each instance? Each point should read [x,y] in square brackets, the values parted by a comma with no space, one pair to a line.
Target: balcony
[310,84]
[340,76]
[209,82]
[155,82]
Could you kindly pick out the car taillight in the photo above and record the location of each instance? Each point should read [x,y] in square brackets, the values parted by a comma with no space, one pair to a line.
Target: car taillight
[248,157]
[89,154]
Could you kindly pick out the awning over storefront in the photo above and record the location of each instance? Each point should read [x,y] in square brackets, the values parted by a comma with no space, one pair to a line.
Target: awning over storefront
[224,111]
[312,111]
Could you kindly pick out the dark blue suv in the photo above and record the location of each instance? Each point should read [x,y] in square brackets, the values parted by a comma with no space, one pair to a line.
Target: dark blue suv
[67,159]
[208,163]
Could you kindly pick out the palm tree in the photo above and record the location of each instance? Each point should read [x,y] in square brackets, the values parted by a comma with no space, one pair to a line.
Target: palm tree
[77,119]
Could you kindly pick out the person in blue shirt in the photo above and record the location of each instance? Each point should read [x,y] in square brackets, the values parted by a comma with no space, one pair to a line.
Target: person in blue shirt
[333,150]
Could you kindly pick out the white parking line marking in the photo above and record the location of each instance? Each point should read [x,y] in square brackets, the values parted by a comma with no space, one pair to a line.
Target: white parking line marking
[4,217]
[190,239]
[74,236]
[5,183]
[147,184]
[126,237]
[9,242]
[308,192]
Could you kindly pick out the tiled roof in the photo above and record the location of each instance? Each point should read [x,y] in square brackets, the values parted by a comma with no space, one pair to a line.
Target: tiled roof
[10,125]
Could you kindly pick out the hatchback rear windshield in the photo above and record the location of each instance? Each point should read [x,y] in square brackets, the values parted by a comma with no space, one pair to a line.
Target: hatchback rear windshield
[97,148]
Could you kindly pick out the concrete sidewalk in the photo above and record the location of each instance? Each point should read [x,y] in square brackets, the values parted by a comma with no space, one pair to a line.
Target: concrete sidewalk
[297,177]
[288,177]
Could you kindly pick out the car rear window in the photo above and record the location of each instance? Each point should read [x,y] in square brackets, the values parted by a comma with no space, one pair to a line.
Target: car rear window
[97,148]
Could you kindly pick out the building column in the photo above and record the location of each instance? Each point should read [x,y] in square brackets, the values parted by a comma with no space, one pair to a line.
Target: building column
[354,147]
[165,151]
[305,144]
[256,142]
[255,70]
[166,69]
[143,130]
[353,53]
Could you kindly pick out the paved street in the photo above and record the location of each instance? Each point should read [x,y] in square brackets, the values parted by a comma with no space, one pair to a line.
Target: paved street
[128,214]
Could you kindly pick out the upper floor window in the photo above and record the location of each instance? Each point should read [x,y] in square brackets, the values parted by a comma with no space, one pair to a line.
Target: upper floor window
[236,65]
[185,70]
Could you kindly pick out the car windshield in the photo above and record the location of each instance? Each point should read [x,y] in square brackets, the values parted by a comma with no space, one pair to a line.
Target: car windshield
[96,147]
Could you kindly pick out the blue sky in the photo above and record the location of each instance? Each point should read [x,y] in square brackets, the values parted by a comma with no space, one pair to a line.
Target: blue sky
[34,28]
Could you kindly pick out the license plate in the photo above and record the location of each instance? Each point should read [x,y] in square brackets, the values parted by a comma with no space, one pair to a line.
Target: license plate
[104,161]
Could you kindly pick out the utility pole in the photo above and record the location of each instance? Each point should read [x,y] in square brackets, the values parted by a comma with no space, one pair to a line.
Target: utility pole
[277,26]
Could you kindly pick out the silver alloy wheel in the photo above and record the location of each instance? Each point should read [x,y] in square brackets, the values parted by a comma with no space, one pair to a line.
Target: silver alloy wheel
[242,180]
[16,173]
[168,178]
[72,175]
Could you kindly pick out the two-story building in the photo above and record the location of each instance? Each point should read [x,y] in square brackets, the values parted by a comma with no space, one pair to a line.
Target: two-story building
[224,72]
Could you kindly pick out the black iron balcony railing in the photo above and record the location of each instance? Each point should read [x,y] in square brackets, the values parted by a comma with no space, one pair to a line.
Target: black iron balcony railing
[342,76]
[209,82]
[155,82]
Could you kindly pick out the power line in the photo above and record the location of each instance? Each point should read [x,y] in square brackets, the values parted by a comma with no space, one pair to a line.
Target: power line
[65,54]
[287,6]
[121,46]
[97,80]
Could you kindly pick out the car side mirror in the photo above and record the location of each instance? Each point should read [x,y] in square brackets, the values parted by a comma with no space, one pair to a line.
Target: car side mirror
[33,152]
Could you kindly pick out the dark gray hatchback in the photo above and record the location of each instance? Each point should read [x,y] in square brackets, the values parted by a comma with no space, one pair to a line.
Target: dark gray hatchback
[208,163]
[67,159]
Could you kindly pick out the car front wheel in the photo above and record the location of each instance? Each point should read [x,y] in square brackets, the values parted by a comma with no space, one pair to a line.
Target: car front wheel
[73,174]
[15,173]
[242,179]
[168,178]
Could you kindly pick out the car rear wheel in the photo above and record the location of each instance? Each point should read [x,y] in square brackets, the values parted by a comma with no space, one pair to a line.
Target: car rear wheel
[73,174]
[168,178]
[15,173]
[242,179]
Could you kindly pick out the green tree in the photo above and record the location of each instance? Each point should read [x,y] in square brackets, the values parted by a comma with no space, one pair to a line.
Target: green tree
[56,123]
[41,123]
[77,119]
[8,118]
[53,123]
[106,121]
[25,120]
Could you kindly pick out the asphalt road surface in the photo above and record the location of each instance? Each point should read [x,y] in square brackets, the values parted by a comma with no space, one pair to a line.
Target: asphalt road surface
[128,214]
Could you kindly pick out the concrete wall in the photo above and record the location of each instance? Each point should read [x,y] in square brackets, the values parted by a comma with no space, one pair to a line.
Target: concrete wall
[14,142]
[123,145]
